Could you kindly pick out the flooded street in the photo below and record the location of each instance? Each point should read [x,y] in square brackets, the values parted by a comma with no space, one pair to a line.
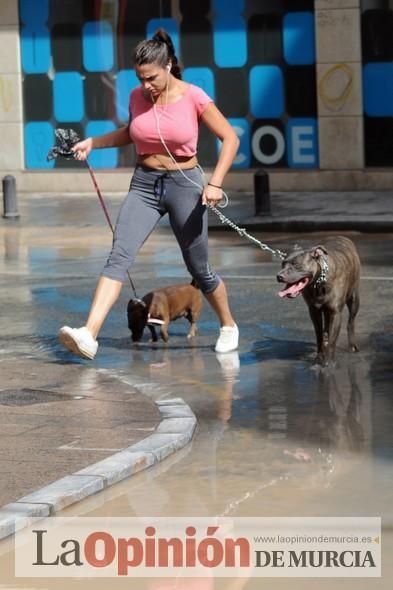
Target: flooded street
[277,436]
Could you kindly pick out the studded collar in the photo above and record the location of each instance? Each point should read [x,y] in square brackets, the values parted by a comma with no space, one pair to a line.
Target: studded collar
[322,278]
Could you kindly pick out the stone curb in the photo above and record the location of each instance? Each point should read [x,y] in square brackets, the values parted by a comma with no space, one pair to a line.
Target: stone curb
[175,431]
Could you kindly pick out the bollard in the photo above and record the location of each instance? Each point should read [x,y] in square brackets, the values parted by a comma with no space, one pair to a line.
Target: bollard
[9,197]
[262,193]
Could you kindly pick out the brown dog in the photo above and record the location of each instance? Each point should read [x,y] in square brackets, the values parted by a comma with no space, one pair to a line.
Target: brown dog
[163,306]
[328,278]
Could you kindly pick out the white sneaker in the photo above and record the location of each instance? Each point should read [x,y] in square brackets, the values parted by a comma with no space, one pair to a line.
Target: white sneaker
[79,341]
[228,339]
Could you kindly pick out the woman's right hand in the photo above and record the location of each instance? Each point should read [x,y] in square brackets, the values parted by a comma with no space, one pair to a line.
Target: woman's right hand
[83,148]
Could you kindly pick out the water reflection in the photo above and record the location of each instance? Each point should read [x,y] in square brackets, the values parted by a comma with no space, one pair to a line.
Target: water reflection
[11,246]
[257,453]
[346,407]
[230,369]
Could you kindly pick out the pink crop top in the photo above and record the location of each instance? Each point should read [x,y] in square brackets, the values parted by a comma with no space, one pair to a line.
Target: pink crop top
[179,122]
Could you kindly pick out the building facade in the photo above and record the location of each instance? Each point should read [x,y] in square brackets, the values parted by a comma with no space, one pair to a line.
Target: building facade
[308,85]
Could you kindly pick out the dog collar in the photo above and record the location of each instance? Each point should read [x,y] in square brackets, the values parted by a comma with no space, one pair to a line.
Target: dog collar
[155,321]
[140,301]
[324,272]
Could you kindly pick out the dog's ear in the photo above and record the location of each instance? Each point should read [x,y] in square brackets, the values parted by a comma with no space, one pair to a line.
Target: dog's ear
[135,304]
[319,251]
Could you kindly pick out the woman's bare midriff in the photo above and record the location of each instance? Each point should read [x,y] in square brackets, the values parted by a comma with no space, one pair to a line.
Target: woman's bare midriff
[164,162]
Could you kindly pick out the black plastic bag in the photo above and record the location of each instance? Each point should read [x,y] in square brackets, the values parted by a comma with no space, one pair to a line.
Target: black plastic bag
[65,140]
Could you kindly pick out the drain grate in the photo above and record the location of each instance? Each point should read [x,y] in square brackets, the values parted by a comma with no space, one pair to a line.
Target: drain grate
[29,397]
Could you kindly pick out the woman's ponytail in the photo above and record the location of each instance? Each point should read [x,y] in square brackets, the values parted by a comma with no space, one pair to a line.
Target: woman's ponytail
[159,49]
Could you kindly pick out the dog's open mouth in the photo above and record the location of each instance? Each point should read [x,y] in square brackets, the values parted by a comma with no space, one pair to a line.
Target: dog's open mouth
[294,289]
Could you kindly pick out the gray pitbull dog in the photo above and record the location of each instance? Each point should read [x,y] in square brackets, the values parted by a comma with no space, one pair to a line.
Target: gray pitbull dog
[328,277]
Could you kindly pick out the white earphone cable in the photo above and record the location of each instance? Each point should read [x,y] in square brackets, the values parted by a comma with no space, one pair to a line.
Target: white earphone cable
[241,231]
[174,161]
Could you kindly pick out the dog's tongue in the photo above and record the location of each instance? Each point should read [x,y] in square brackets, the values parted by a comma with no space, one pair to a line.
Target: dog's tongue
[294,289]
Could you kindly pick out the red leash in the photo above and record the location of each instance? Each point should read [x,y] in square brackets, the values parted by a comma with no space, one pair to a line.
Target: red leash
[65,140]
[93,177]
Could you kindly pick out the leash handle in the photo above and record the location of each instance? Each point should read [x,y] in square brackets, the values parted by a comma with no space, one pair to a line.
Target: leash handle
[98,191]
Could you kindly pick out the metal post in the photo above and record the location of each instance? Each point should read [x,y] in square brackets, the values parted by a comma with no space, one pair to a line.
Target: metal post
[9,197]
[262,193]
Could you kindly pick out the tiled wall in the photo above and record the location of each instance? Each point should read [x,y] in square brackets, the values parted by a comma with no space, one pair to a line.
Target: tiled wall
[377,51]
[256,58]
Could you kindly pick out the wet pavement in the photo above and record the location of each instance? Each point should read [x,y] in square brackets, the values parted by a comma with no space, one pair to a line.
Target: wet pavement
[277,436]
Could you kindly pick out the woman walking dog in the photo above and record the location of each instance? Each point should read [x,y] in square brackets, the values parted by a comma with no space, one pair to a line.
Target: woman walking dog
[165,113]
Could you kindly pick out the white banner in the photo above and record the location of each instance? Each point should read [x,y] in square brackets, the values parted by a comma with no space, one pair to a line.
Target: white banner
[200,547]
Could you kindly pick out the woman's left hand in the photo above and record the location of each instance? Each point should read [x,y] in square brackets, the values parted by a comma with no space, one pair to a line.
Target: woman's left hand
[211,195]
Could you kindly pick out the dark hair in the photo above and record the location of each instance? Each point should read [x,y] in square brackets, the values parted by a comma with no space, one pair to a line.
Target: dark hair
[160,50]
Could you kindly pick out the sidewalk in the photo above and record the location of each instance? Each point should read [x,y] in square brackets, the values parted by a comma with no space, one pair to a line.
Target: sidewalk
[69,431]
[306,212]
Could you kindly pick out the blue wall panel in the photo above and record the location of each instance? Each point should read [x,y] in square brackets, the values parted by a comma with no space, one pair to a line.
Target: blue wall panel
[299,38]
[229,34]
[202,77]
[102,158]
[35,40]
[34,12]
[39,138]
[35,50]
[97,37]
[266,92]
[68,97]
[126,81]
[378,89]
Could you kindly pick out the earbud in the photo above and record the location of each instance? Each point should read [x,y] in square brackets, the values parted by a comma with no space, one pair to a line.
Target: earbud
[169,67]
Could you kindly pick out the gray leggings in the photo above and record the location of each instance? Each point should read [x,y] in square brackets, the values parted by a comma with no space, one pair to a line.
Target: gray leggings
[152,194]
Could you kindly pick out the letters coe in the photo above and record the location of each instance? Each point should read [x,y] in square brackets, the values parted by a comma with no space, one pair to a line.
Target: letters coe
[270,144]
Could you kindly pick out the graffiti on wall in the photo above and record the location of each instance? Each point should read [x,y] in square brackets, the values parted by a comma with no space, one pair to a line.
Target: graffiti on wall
[255,58]
[335,86]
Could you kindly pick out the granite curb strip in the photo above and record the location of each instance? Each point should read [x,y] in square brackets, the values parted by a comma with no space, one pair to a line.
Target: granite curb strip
[175,431]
